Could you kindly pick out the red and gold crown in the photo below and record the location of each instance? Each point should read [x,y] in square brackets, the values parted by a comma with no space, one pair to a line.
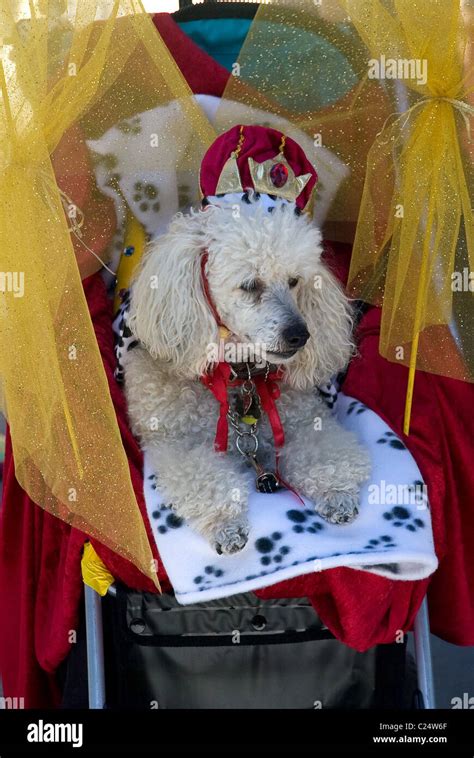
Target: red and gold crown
[258,158]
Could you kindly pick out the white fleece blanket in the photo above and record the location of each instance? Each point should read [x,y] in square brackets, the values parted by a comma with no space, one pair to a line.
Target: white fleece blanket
[391,537]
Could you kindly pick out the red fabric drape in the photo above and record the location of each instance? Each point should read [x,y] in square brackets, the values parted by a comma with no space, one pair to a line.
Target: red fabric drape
[40,584]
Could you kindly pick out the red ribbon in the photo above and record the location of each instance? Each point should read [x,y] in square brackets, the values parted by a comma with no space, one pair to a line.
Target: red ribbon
[268,391]
[217,382]
[207,291]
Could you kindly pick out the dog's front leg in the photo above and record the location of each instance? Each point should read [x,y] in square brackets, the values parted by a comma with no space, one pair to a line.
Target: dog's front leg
[207,490]
[322,460]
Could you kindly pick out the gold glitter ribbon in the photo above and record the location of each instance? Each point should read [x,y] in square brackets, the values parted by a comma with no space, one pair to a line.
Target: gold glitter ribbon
[465,111]
[94,64]
[410,242]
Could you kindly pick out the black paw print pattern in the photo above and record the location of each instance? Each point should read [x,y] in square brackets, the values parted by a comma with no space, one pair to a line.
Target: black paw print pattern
[167,520]
[206,580]
[401,516]
[163,515]
[305,521]
[146,195]
[271,553]
[391,439]
[418,495]
[109,162]
[384,541]
[355,407]
[130,125]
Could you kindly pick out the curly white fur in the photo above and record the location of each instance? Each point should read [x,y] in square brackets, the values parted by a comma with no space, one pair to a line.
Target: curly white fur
[175,416]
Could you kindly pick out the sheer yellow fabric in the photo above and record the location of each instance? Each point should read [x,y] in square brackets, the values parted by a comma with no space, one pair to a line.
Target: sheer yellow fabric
[87,64]
[305,64]
[413,248]
[328,69]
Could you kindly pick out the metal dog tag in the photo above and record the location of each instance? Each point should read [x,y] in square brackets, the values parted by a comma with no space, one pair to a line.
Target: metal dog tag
[266,481]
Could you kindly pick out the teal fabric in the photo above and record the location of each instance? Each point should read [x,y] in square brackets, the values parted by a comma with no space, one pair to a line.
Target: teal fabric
[223,38]
[308,52]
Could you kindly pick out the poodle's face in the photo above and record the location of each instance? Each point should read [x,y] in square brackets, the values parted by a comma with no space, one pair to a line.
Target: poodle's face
[267,281]
[256,270]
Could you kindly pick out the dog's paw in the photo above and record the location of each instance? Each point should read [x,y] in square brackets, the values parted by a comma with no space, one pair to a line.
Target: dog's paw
[231,538]
[338,507]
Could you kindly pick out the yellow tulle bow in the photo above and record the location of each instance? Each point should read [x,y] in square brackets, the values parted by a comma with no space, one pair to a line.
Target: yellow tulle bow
[412,241]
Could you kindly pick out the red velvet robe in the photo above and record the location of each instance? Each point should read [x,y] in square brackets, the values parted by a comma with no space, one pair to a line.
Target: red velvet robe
[40,580]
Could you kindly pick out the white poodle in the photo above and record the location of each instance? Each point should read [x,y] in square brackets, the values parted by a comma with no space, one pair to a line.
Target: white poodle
[271,288]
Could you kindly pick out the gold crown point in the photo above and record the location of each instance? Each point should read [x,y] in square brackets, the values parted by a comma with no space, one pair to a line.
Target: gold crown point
[229,180]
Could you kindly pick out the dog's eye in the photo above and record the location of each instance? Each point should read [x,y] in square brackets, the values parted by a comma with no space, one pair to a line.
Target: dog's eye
[253,286]
[293,281]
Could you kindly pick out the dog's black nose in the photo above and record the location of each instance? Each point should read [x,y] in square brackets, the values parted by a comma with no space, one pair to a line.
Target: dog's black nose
[295,336]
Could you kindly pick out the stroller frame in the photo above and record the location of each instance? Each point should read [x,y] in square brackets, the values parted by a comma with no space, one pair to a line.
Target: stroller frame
[96,668]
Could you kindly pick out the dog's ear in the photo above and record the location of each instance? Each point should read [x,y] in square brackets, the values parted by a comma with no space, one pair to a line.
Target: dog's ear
[328,315]
[168,310]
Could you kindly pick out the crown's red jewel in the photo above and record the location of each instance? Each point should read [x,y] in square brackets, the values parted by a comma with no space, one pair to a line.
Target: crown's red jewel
[279,175]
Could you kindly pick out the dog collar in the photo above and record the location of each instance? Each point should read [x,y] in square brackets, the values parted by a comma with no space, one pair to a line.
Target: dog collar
[223,330]
[249,370]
